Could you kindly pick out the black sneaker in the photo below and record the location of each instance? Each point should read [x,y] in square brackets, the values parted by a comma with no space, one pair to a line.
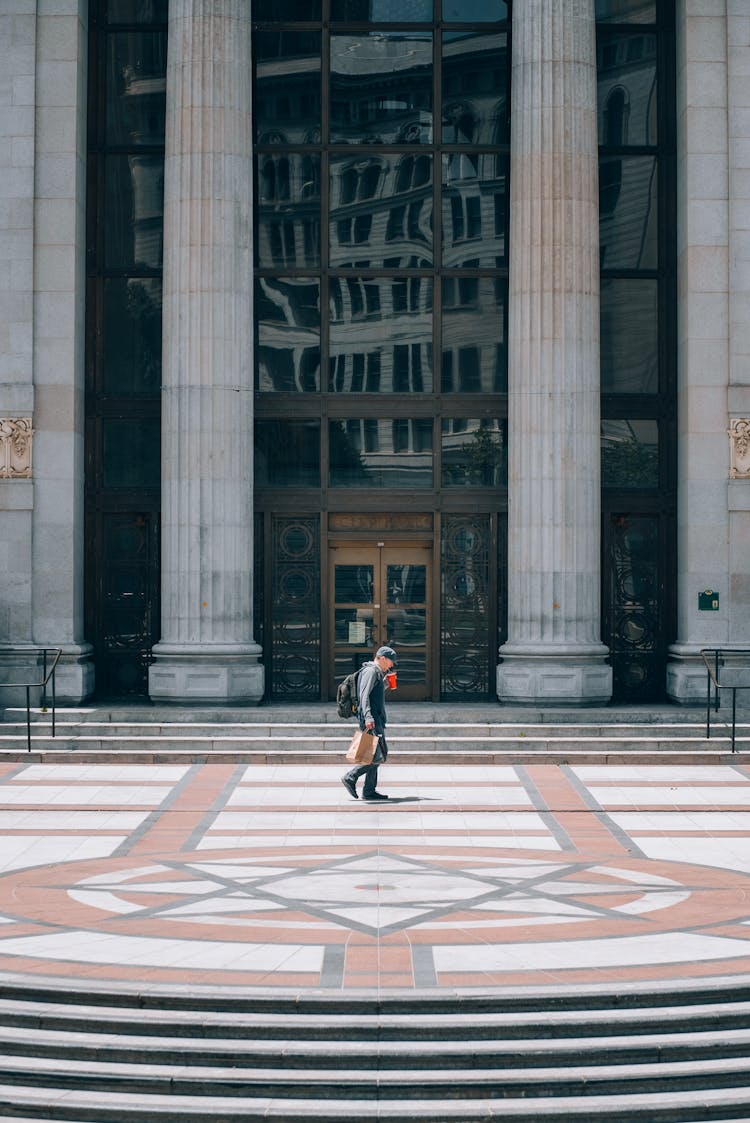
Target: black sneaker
[374,797]
[350,786]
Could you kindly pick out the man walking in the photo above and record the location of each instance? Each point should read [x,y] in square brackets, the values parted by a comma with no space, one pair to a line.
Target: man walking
[372,718]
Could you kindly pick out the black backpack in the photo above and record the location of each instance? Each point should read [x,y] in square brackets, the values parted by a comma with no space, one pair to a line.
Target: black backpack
[346,696]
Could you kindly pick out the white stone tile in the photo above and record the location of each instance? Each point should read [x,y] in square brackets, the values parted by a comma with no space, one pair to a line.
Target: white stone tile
[377,838]
[24,851]
[82,947]
[670,772]
[724,853]
[109,795]
[668,947]
[675,795]
[71,820]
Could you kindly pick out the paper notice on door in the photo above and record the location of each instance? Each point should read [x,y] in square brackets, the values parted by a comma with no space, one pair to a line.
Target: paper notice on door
[357,632]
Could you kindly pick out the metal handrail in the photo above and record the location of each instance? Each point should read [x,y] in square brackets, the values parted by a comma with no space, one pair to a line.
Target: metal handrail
[718,656]
[49,655]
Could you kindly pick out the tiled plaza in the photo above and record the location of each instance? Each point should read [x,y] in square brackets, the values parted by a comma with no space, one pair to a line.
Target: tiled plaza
[249,876]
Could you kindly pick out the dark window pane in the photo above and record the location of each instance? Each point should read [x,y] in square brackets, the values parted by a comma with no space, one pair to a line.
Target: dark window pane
[287,312]
[474,358]
[136,88]
[381,88]
[626,11]
[132,336]
[629,331]
[628,212]
[381,209]
[287,454]
[381,11]
[627,90]
[474,210]
[131,452]
[474,11]
[137,11]
[474,452]
[286,102]
[630,453]
[475,88]
[288,207]
[353,584]
[361,454]
[368,318]
[286,10]
[406,584]
[134,211]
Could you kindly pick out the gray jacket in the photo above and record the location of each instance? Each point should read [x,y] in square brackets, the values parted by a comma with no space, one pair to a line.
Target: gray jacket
[371,697]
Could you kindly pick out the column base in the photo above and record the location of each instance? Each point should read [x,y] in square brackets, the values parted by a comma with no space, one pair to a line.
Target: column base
[74,674]
[226,673]
[559,680]
[686,676]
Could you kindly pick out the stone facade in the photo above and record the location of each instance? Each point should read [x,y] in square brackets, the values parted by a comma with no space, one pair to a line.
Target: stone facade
[43,60]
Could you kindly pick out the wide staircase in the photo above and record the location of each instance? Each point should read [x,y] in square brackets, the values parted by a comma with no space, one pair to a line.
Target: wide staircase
[150,1057]
[438,733]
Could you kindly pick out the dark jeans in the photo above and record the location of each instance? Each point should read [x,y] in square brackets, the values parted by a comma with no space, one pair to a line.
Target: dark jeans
[369,771]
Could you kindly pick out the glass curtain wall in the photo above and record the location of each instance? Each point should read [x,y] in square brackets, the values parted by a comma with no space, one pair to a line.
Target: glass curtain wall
[637,131]
[382,146]
[127,86]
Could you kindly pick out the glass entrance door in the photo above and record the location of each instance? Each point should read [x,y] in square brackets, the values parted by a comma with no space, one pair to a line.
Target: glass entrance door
[380,595]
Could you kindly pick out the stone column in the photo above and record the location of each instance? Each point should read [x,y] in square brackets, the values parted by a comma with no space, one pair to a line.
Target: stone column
[554,652]
[206,652]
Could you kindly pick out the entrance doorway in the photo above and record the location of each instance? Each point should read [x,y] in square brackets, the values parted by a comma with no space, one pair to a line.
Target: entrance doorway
[380,594]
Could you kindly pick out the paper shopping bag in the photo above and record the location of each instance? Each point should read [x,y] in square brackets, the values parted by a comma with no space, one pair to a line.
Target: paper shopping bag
[362,748]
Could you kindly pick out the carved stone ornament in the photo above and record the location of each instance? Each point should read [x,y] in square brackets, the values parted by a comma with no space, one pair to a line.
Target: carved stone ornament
[15,448]
[739,442]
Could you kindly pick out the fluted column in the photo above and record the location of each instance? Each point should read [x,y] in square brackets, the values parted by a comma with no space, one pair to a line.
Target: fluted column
[207,652]
[554,652]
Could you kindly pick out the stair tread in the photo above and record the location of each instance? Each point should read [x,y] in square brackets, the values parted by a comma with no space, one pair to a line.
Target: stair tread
[288,1108]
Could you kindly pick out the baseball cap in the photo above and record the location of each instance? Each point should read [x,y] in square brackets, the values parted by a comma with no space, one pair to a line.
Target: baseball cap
[387,653]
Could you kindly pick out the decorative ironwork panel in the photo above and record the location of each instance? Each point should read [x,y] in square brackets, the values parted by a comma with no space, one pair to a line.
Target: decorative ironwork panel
[634,633]
[465,607]
[129,603]
[295,608]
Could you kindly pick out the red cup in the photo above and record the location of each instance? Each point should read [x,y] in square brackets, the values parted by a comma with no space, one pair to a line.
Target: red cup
[390,678]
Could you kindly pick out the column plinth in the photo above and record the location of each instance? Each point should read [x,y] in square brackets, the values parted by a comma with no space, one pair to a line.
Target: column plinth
[207,652]
[554,652]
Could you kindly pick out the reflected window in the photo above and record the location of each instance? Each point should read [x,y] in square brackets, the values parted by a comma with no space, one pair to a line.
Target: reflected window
[287,453]
[629,336]
[286,104]
[474,85]
[363,453]
[474,210]
[628,215]
[136,88]
[630,453]
[134,211]
[381,88]
[288,316]
[288,208]
[474,452]
[362,214]
[364,315]
[474,310]
[627,90]
[626,11]
[474,11]
[132,336]
[381,11]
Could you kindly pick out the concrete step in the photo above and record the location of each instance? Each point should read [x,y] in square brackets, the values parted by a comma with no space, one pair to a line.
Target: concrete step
[317,742]
[132,1057]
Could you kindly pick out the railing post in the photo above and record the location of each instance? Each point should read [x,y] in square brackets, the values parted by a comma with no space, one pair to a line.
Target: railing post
[708,702]
[28,718]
